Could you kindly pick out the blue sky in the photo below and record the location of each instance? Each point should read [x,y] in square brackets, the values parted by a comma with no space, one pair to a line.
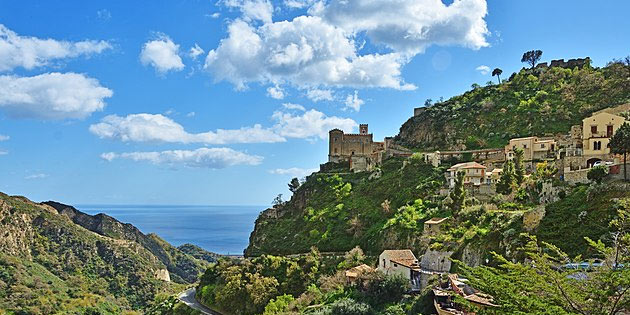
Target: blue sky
[104,101]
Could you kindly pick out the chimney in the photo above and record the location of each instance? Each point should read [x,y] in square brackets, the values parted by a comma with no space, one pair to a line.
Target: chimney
[363,129]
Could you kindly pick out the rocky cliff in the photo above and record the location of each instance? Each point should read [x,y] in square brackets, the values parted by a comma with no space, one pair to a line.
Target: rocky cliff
[56,259]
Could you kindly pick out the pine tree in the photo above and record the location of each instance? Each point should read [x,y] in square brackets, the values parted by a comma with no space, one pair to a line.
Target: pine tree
[620,144]
[458,194]
[506,181]
[519,169]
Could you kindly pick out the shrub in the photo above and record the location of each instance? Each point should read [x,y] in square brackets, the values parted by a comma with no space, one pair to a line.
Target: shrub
[597,173]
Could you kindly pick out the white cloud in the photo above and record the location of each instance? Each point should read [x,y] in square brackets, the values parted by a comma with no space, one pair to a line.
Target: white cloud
[353,101]
[293,171]
[36,176]
[310,124]
[103,14]
[4,138]
[253,10]
[191,114]
[213,158]
[52,96]
[305,52]
[298,4]
[214,15]
[318,49]
[31,52]
[410,26]
[162,54]
[275,92]
[317,95]
[483,69]
[3,152]
[293,106]
[195,51]
[158,128]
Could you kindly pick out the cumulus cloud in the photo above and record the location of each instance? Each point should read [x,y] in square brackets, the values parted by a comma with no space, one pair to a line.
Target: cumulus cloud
[159,128]
[318,49]
[36,176]
[162,54]
[293,171]
[305,52]
[31,52]
[275,92]
[483,69]
[293,106]
[353,101]
[4,138]
[317,95]
[310,124]
[253,10]
[195,51]
[52,96]
[212,158]
[410,26]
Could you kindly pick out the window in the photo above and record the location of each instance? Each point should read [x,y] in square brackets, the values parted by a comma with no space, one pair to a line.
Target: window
[597,145]
[524,146]
[335,150]
[395,265]
[609,131]
[383,262]
[542,145]
[593,129]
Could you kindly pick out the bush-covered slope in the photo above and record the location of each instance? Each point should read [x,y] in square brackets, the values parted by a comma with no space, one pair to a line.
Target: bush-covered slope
[539,102]
[337,211]
[49,264]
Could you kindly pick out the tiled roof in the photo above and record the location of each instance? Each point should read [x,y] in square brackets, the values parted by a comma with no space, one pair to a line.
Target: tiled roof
[466,165]
[403,257]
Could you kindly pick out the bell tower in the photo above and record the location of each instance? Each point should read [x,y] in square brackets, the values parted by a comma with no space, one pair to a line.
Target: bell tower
[363,129]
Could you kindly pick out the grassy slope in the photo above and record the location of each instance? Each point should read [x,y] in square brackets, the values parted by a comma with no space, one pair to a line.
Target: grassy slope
[540,102]
[585,212]
[335,200]
[57,266]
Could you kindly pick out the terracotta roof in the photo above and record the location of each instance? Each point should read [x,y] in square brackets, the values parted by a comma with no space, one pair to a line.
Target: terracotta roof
[358,270]
[403,257]
[466,165]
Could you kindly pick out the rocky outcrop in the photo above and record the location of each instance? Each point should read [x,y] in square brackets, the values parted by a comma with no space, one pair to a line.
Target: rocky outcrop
[184,267]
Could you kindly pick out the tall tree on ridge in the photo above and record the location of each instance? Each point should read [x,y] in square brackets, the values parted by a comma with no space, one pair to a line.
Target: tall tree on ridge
[497,72]
[620,144]
[531,57]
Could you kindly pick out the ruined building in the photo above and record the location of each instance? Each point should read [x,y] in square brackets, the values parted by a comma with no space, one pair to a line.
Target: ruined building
[360,149]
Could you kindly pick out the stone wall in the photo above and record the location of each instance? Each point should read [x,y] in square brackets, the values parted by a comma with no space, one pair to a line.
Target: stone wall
[437,261]
[577,176]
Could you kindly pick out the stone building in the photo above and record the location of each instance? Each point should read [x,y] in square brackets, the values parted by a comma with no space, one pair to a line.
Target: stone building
[360,149]
[596,133]
[534,148]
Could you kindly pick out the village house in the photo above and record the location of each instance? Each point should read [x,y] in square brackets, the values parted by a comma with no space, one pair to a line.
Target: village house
[493,176]
[401,262]
[534,148]
[474,173]
[596,133]
[433,226]
[360,150]
[358,272]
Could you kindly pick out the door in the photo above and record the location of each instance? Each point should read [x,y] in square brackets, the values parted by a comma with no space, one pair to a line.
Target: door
[609,131]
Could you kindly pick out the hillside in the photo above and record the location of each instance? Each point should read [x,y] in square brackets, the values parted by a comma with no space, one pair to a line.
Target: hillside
[543,101]
[56,259]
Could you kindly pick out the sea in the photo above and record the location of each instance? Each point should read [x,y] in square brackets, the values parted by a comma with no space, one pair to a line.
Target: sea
[219,229]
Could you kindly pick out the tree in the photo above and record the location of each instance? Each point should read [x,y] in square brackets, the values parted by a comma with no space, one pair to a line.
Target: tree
[620,144]
[506,181]
[497,72]
[519,169]
[458,194]
[294,185]
[531,57]
[277,201]
[597,173]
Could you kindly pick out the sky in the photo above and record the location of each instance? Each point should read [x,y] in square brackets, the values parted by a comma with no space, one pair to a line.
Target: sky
[223,102]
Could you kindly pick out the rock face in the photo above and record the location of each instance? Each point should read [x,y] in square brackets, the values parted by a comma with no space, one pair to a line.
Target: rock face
[184,267]
[162,274]
[436,261]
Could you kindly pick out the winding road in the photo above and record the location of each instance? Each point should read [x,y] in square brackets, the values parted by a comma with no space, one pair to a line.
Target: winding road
[188,298]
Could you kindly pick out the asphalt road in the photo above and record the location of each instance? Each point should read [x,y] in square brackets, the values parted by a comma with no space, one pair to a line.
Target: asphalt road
[188,298]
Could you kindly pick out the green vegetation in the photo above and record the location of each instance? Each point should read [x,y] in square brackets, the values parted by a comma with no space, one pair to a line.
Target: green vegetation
[540,101]
[50,265]
[336,212]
